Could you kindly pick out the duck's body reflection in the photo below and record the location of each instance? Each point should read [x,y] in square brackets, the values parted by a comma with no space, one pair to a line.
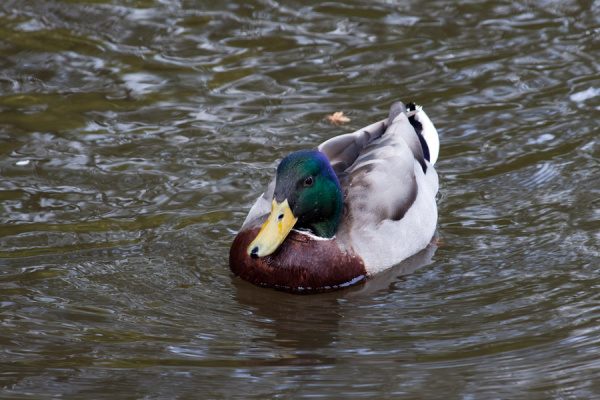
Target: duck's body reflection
[302,325]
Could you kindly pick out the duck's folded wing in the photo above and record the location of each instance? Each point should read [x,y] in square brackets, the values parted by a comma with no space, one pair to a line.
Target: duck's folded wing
[381,183]
[389,196]
[342,151]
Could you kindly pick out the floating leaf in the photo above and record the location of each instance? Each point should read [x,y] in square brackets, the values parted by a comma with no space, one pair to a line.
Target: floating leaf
[338,118]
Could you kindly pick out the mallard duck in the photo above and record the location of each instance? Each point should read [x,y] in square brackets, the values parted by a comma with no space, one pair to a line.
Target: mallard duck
[357,204]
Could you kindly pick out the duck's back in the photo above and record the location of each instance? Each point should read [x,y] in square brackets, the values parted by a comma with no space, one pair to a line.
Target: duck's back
[389,187]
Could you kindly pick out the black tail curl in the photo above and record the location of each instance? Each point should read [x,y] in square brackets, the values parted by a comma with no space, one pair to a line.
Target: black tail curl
[419,129]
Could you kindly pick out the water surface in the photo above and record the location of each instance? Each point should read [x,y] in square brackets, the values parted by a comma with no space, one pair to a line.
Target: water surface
[135,135]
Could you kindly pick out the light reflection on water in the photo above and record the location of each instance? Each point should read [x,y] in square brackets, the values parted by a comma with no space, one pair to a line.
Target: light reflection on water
[136,135]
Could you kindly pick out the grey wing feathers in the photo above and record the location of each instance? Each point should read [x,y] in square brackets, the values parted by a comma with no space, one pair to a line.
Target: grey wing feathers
[342,151]
[381,183]
[262,205]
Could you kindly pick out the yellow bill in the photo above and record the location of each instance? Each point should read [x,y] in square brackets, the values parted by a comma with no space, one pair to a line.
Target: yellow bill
[274,231]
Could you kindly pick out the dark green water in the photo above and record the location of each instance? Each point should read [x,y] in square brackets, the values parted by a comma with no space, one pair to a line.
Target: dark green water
[135,135]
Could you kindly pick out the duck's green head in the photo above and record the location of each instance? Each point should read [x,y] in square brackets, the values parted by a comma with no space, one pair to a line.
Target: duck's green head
[307,196]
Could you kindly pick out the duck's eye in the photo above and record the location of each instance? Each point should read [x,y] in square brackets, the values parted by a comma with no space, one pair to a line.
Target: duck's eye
[309,181]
